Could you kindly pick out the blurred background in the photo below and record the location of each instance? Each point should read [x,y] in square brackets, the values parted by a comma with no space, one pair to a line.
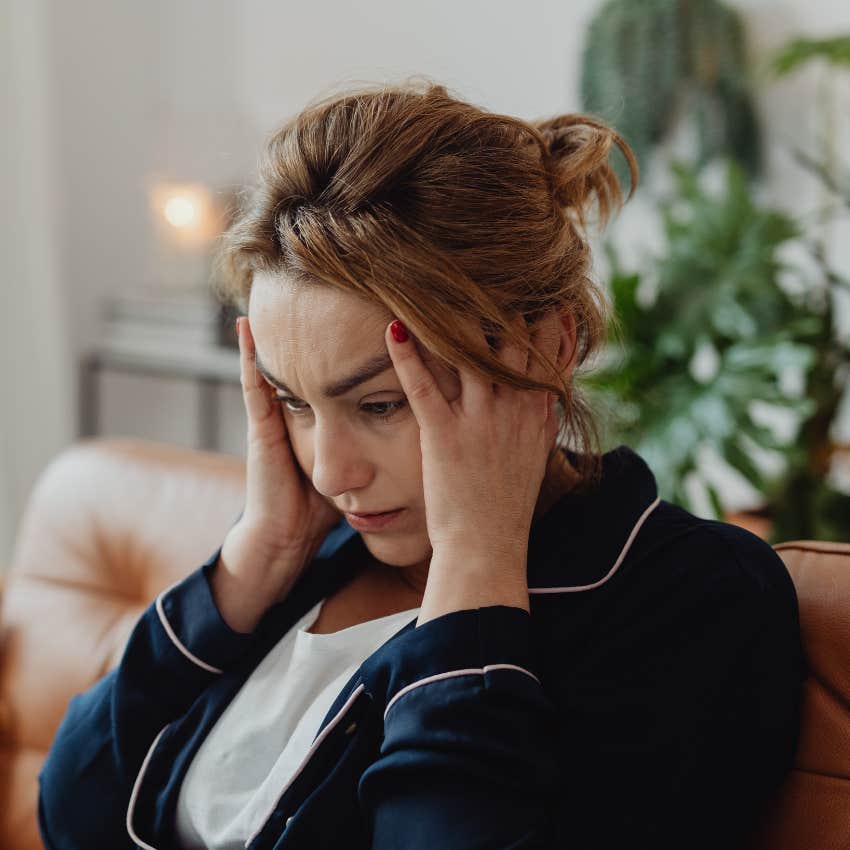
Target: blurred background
[128,127]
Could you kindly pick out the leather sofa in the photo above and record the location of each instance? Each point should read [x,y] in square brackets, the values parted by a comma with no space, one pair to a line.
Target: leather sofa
[111,522]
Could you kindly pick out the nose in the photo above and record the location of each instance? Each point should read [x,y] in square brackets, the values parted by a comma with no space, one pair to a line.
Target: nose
[339,461]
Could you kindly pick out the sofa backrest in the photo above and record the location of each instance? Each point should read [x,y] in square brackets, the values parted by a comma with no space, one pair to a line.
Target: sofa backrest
[812,807]
[90,555]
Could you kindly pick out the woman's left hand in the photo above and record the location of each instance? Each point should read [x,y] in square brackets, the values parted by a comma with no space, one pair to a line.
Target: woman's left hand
[484,454]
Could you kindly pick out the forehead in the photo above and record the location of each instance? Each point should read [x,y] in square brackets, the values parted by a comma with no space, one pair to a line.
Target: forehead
[307,333]
[307,315]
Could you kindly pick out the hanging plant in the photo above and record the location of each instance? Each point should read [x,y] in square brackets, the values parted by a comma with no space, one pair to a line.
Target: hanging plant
[647,63]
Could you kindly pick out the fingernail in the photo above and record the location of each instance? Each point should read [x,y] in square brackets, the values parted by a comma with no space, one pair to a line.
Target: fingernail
[399,331]
[237,325]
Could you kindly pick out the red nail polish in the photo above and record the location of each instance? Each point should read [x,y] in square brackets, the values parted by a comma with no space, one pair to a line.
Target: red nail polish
[399,331]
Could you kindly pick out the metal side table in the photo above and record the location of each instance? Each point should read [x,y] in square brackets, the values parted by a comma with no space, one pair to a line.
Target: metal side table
[209,366]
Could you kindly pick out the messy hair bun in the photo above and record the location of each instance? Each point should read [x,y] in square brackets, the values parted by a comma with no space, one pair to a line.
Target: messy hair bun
[576,153]
[454,218]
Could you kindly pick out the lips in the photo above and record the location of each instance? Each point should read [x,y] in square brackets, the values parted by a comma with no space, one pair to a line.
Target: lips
[375,522]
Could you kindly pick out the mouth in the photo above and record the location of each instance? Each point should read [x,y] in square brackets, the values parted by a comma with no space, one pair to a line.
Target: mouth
[374,521]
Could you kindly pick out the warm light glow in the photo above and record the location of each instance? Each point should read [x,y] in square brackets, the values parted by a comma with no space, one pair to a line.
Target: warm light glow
[185,219]
[185,216]
[180,211]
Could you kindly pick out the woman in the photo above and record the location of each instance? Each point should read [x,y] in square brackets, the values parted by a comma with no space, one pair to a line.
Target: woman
[531,648]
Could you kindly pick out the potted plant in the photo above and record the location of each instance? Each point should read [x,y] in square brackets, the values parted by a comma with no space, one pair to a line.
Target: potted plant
[690,368]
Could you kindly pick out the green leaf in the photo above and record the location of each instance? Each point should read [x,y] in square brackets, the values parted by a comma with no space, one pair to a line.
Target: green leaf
[716,501]
[717,280]
[740,460]
[836,51]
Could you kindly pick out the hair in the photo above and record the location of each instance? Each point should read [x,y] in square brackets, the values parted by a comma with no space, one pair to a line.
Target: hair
[443,212]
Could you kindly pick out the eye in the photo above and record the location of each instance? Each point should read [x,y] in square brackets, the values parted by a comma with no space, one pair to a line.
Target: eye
[287,400]
[383,410]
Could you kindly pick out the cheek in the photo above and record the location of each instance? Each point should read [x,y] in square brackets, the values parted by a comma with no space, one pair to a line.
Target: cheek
[413,448]
[409,462]
[302,448]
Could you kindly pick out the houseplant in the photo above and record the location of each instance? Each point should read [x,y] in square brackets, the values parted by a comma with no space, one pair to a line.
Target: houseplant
[688,368]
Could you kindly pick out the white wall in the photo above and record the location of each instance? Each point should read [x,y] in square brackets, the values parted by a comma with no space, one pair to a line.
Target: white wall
[37,378]
[109,93]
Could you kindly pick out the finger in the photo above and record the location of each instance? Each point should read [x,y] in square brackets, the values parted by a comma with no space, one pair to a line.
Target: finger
[546,335]
[515,355]
[428,404]
[480,391]
[258,405]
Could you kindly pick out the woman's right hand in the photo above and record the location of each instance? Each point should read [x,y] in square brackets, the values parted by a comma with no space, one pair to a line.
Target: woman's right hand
[285,518]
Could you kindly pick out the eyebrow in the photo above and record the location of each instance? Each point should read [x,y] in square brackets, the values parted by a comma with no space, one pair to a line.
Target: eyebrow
[370,369]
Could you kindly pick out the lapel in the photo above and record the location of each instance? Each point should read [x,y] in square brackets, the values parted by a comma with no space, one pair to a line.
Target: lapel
[584,537]
[336,562]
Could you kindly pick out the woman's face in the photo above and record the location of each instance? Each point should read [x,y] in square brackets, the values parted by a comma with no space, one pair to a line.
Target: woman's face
[359,446]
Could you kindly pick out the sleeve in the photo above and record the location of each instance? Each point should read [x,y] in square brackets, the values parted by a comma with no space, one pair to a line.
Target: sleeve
[740,740]
[467,759]
[690,751]
[177,648]
[688,726]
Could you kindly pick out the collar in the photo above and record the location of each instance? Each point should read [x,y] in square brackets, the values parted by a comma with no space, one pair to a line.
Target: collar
[584,537]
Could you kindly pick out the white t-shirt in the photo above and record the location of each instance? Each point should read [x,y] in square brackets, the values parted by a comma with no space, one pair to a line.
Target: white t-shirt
[259,741]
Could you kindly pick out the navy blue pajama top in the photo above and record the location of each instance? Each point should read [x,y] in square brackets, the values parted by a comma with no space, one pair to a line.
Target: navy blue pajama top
[651,699]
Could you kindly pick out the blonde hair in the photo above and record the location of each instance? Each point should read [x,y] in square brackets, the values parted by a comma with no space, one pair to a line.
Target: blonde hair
[455,219]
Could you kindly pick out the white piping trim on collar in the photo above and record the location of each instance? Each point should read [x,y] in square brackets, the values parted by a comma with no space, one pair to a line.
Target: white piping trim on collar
[617,563]
[136,785]
[316,744]
[175,640]
[567,589]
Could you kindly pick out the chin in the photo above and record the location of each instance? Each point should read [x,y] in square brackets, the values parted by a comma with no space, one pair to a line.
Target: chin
[399,551]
